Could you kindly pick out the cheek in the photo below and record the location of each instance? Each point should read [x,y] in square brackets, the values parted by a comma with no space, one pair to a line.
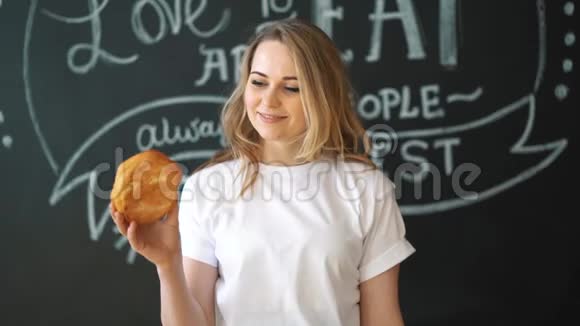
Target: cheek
[250,100]
[298,111]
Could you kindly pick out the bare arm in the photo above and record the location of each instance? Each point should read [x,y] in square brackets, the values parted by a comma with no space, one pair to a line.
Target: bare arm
[187,293]
[379,303]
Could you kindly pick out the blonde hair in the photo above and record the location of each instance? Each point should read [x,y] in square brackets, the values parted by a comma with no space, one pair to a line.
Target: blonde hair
[333,127]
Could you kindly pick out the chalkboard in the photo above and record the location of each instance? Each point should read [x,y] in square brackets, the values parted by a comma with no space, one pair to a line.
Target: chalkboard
[471,106]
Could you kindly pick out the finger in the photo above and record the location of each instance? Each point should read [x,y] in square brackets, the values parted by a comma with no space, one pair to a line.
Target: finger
[121,223]
[171,218]
[132,236]
[112,209]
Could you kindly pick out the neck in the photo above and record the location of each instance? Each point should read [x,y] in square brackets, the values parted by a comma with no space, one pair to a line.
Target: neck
[279,153]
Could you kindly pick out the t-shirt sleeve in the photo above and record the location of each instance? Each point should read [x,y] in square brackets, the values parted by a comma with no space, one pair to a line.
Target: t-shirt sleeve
[384,242]
[197,241]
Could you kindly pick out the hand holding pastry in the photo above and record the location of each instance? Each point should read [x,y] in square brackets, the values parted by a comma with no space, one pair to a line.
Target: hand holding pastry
[144,206]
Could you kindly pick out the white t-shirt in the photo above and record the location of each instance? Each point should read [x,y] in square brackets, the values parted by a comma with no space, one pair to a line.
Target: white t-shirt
[294,250]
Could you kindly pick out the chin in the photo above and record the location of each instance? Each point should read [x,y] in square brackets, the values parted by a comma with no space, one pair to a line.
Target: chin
[270,136]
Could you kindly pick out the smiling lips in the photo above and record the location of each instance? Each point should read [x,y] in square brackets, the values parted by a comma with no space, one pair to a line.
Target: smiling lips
[268,118]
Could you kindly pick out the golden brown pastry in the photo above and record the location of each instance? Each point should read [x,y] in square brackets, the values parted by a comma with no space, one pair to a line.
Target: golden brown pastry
[146,186]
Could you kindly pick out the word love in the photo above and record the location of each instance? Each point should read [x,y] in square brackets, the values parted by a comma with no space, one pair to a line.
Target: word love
[167,19]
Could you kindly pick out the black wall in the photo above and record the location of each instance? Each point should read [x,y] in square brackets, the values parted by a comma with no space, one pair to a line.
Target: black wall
[480,95]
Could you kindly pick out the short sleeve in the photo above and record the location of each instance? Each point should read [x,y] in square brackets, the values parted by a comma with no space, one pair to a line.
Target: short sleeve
[384,242]
[197,241]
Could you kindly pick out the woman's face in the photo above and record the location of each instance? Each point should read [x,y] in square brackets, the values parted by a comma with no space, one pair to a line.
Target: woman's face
[272,97]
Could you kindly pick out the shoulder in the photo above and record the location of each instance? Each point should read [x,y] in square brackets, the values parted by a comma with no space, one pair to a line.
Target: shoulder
[227,169]
[213,182]
[366,179]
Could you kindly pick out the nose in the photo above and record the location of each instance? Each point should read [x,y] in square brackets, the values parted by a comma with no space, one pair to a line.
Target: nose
[270,98]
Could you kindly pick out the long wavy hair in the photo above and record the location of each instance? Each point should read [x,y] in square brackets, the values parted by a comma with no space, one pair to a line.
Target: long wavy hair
[333,128]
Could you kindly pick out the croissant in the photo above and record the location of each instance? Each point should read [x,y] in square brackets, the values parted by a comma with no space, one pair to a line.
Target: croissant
[146,186]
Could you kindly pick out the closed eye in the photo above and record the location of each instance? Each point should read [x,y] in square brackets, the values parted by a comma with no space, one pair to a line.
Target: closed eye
[293,89]
[258,83]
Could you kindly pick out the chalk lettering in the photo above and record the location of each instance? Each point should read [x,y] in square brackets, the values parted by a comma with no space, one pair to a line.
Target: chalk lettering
[94,48]
[215,59]
[268,5]
[412,152]
[448,33]
[430,100]
[447,145]
[373,106]
[149,136]
[237,52]
[392,98]
[178,16]
[323,13]
[216,63]
[406,14]
[420,161]
[191,18]
[137,23]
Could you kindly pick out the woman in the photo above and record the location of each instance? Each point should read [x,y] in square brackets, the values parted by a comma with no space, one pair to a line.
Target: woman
[291,224]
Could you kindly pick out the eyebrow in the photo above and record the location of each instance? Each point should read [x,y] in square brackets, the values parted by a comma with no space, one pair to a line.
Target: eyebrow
[266,76]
